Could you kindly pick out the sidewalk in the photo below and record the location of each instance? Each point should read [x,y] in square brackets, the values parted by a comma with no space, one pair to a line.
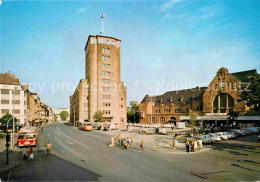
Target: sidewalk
[13,160]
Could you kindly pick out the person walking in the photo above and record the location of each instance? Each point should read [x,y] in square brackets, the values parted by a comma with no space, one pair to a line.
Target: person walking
[24,154]
[132,141]
[48,148]
[195,145]
[142,145]
[192,145]
[187,144]
[31,154]
[119,140]
[112,142]
[171,144]
[199,144]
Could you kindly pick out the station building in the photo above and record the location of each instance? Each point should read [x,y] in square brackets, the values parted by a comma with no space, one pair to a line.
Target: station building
[210,104]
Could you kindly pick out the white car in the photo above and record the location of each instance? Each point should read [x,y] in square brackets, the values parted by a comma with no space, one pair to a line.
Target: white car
[222,136]
[205,139]
[214,137]
[227,134]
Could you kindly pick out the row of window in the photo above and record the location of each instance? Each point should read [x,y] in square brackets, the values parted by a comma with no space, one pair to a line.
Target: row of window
[14,111]
[106,111]
[7,102]
[6,91]
[105,89]
[106,58]
[106,104]
[106,66]
[106,81]
[104,41]
[105,50]
[106,96]
[106,73]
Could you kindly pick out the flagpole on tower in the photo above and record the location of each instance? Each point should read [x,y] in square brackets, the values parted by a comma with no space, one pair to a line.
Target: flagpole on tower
[102,15]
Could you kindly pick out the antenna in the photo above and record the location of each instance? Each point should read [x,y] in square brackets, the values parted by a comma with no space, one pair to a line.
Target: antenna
[102,15]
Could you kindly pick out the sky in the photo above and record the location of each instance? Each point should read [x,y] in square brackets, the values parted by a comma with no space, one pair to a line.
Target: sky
[166,45]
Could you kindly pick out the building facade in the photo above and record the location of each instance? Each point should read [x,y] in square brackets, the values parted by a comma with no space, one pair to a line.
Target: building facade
[57,111]
[13,97]
[79,102]
[106,92]
[214,102]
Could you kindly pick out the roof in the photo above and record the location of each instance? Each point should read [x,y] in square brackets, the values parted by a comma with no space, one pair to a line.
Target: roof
[9,79]
[177,96]
[243,76]
[100,36]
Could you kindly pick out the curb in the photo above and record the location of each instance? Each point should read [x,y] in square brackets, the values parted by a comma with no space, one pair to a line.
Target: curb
[178,152]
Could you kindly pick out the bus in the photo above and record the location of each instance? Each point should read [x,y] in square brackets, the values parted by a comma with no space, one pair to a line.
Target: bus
[86,126]
[27,136]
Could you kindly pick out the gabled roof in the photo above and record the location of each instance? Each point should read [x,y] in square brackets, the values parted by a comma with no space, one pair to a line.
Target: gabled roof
[243,76]
[177,96]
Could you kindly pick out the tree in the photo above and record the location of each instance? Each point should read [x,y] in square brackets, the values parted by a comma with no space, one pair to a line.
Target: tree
[251,93]
[64,115]
[192,117]
[98,116]
[133,115]
[5,119]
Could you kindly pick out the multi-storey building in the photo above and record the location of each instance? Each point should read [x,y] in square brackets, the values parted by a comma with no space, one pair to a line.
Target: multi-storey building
[13,97]
[211,103]
[79,102]
[106,91]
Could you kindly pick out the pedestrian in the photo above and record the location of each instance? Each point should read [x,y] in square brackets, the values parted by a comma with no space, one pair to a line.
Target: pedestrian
[31,154]
[195,145]
[132,141]
[199,144]
[119,140]
[172,128]
[175,143]
[112,142]
[187,144]
[171,144]
[24,154]
[192,145]
[48,148]
[142,145]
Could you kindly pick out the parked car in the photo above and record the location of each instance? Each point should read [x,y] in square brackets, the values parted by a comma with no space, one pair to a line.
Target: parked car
[214,137]
[245,131]
[258,137]
[205,139]
[252,130]
[227,134]
[222,136]
[239,132]
[233,135]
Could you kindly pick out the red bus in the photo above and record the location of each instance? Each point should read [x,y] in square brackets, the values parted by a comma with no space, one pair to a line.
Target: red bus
[27,136]
[87,126]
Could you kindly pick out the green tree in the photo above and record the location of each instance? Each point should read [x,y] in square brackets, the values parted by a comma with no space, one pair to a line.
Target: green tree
[98,116]
[251,93]
[64,115]
[192,124]
[133,115]
[4,119]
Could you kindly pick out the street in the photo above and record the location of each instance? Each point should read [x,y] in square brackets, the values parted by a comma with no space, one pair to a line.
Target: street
[78,155]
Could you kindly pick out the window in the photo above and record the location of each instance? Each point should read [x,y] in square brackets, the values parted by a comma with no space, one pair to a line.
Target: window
[4,111]
[16,111]
[4,91]
[16,101]
[108,58]
[108,51]
[121,106]
[122,99]
[222,103]
[103,58]
[16,92]
[162,120]
[152,120]
[4,101]
[103,50]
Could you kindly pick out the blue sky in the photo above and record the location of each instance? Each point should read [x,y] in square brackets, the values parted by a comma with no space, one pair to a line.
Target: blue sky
[166,45]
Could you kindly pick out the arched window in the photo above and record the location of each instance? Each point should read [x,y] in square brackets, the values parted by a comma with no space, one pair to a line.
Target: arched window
[152,120]
[162,120]
[223,103]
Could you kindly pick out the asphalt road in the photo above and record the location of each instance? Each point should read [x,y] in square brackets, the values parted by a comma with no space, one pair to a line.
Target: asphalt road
[79,155]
